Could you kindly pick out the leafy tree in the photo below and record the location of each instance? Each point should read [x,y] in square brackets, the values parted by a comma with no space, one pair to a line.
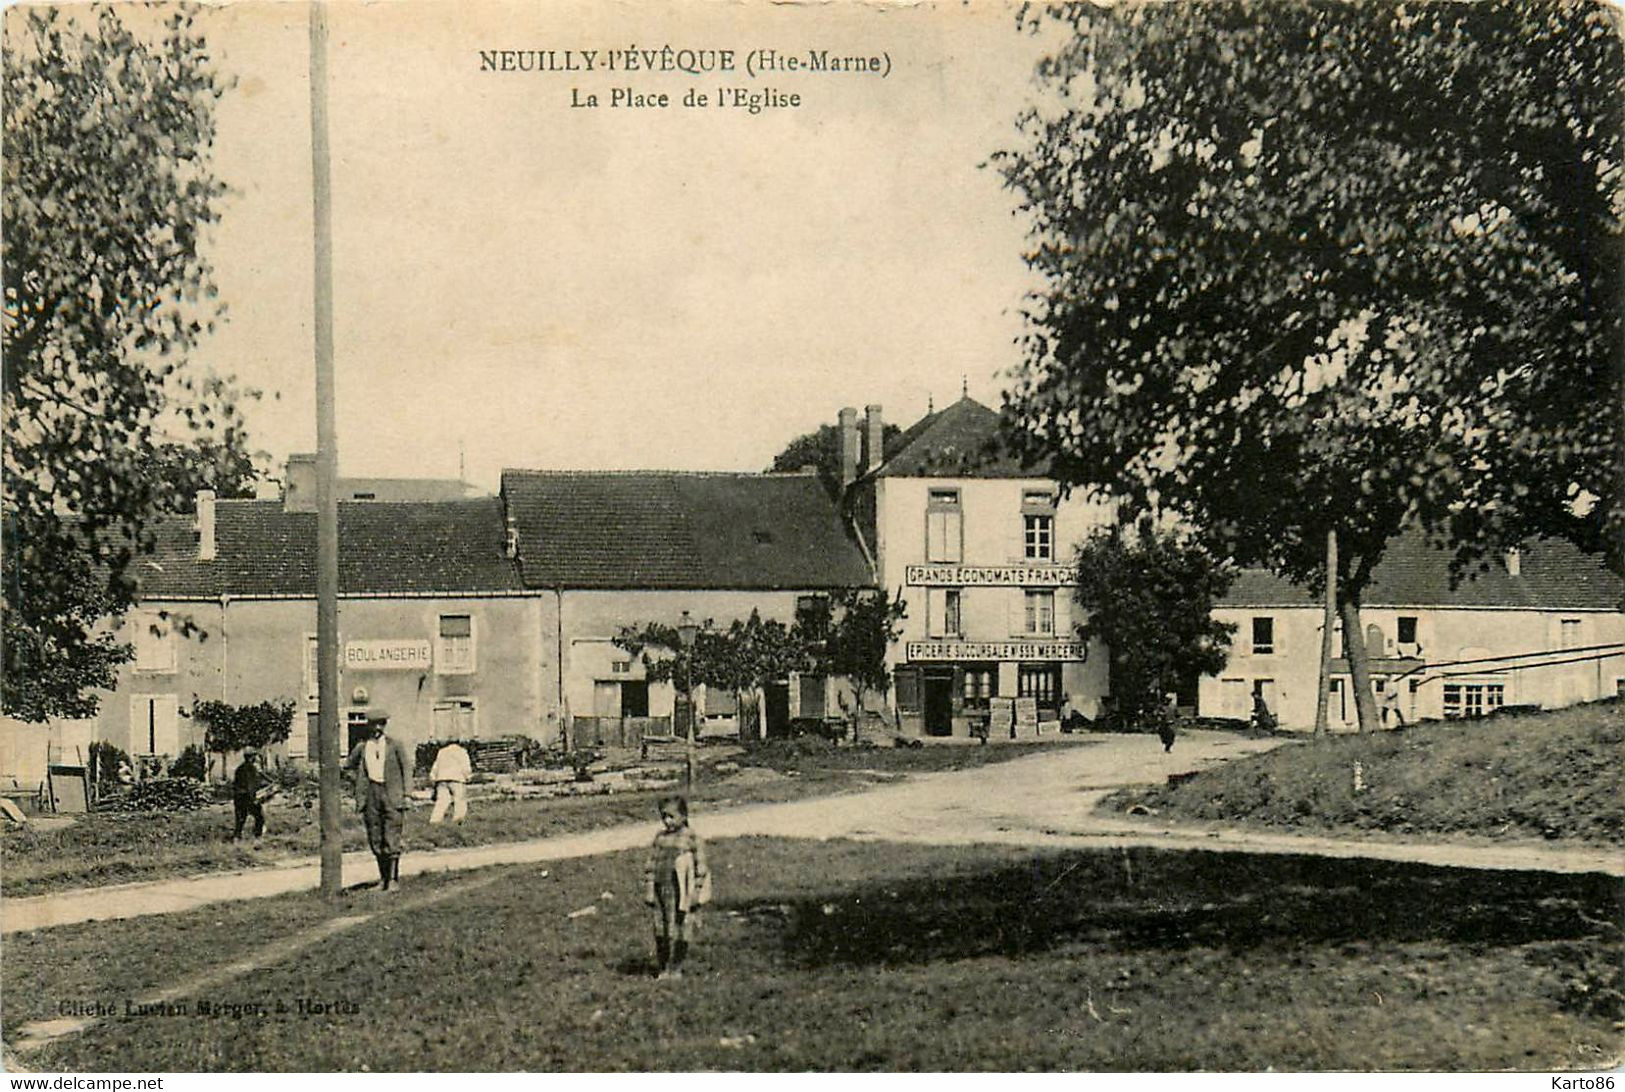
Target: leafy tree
[230,727]
[744,657]
[1316,268]
[1149,598]
[848,635]
[821,448]
[107,193]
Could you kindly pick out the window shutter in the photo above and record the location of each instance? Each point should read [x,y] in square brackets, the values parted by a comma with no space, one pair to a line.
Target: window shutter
[1016,607]
[933,612]
[1063,614]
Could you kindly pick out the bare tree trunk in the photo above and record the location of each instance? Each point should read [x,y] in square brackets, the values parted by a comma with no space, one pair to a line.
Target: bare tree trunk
[1365,704]
[1328,623]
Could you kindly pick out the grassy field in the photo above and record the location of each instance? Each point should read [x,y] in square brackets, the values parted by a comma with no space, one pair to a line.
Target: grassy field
[122,848]
[844,956]
[1558,775]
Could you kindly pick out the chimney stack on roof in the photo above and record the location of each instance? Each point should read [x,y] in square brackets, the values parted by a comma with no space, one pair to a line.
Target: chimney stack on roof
[848,429]
[205,525]
[299,485]
[874,438]
[1514,561]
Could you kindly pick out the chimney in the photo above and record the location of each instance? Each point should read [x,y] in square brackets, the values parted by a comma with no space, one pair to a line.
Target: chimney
[299,485]
[848,429]
[874,438]
[510,544]
[1514,562]
[205,525]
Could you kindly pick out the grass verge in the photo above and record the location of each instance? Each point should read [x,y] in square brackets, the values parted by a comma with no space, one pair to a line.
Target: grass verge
[1558,775]
[845,956]
[117,848]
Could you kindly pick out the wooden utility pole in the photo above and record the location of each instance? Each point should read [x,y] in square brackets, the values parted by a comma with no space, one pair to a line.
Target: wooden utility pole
[327,522]
[1328,624]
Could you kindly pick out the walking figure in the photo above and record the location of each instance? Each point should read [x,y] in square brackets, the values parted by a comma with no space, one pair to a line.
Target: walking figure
[676,882]
[245,795]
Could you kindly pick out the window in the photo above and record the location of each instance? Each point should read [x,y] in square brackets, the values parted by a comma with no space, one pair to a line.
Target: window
[456,653]
[942,612]
[1406,630]
[981,683]
[312,672]
[620,667]
[1568,635]
[1038,525]
[1337,700]
[950,611]
[944,526]
[304,728]
[154,724]
[1263,636]
[1039,617]
[1040,681]
[453,718]
[809,604]
[1472,699]
[154,642]
[1038,537]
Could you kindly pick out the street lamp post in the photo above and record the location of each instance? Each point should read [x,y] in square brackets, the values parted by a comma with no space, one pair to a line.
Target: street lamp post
[686,632]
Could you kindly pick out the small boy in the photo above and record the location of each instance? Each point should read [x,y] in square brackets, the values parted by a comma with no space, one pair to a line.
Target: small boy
[676,882]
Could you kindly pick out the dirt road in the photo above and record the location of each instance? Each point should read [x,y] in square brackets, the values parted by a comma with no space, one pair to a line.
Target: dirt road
[1044,799]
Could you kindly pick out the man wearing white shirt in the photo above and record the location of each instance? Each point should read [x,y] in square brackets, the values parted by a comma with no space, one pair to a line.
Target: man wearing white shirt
[450,776]
[383,775]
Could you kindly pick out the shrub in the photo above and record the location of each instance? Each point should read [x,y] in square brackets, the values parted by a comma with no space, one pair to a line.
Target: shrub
[107,759]
[192,763]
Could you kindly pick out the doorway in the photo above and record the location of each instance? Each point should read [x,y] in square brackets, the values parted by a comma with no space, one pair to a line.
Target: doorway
[776,710]
[939,703]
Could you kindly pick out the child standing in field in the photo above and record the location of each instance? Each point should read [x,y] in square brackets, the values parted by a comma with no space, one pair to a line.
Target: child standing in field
[676,882]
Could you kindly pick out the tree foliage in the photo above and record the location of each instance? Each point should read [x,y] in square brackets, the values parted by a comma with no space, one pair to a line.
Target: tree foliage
[821,449]
[107,197]
[848,634]
[746,655]
[230,727]
[1329,267]
[1148,596]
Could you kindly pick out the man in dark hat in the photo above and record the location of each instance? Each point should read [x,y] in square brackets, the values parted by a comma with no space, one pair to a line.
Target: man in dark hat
[383,776]
[245,794]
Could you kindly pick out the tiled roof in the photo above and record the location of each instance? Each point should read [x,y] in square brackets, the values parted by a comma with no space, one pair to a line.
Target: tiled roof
[1553,575]
[661,529]
[440,546]
[961,441]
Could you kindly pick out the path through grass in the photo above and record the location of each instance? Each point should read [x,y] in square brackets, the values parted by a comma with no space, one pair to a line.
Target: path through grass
[848,956]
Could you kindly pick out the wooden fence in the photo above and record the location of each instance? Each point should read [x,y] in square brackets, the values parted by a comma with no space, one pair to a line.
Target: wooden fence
[616,731]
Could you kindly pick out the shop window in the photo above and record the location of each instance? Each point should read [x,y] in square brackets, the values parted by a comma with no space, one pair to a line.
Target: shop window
[1042,682]
[154,642]
[981,684]
[1038,618]
[944,526]
[1472,699]
[1263,636]
[455,656]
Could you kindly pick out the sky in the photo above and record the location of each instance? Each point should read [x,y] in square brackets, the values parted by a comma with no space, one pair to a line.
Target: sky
[523,283]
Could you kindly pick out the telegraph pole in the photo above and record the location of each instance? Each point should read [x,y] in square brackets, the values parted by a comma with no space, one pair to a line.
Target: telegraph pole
[327,523]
